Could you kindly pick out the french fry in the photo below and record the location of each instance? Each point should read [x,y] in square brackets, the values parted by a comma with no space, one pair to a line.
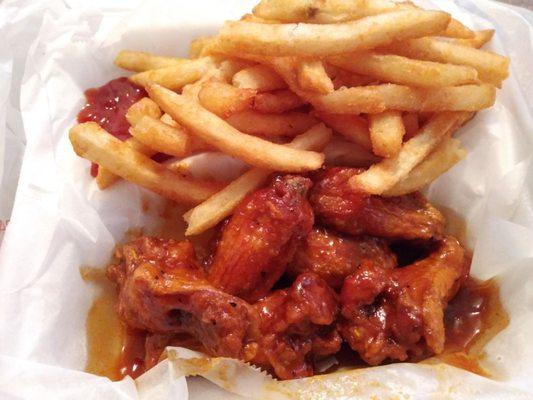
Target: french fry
[145,106]
[228,68]
[221,205]
[345,78]
[155,134]
[384,175]
[313,77]
[95,144]
[260,78]
[198,45]
[480,38]
[322,11]
[287,124]
[456,29]
[444,157]
[139,61]
[386,133]
[224,99]
[341,152]
[379,98]
[411,124]
[492,68]
[353,127]
[175,77]
[405,71]
[218,133]
[276,102]
[315,40]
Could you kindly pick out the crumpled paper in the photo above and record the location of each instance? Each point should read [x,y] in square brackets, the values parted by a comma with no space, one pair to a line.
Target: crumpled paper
[60,220]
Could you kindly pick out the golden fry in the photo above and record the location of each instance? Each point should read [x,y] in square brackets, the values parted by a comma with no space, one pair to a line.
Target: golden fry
[139,61]
[287,124]
[143,107]
[386,133]
[224,99]
[276,102]
[352,127]
[258,77]
[312,76]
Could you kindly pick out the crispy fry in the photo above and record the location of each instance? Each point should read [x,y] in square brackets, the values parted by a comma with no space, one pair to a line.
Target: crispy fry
[95,144]
[276,102]
[258,77]
[405,71]
[228,68]
[444,157]
[210,128]
[379,98]
[323,40]
[198,45]
[175,77]
[287,124]
[382,176]
[480,38]
[224,99]
[222,204]
[352,127]
[492,68]
[341,152]
[139,61]
[456,29]
[411,124]
[313,77]
[386,133]
[145,106]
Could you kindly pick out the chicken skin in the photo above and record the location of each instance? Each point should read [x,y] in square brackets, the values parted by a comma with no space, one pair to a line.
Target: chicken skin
[398,313]
[333,256]
[337,205]
[261,238]
[162,289]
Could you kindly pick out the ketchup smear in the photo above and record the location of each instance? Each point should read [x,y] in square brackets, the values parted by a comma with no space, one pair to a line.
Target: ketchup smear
[107,106]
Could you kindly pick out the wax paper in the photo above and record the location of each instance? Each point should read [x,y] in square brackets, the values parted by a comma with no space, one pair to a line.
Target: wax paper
[51,51]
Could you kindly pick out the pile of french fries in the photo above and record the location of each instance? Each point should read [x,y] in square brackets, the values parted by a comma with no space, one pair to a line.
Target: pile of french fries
[300,83]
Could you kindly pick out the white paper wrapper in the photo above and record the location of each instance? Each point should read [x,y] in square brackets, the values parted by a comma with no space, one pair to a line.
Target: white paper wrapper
[60,220]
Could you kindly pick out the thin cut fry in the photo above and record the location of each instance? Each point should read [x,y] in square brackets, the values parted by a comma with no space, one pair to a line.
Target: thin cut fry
[456,29]
[276,102]
[312,76]
[287,124]
[379,98]
[95,144]
[224,99]
[382,176]
[405,71]
[198,45]
[315,40]
[258,77]
[352,127]
[218,133]
[145,106]
[222,204]
[174,77]
[138,61]
[228,68]
[444,157]
[386,133]
[492,68]
[480,38]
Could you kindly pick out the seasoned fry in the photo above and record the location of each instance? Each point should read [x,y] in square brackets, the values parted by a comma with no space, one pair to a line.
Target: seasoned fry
[224,99]
[342,152]
[287,124]
[260,78]
[313,77]
[379,98]
[444,157]
[411,124]
[352,127]
[405,71]
[480,38]
[384,175]
[95,144]
[222,204]
[386,133]
[139,61]
[456,29]
[492,68]
[175,77]
[315,40]
[276,102]
[210,128]
[143,107]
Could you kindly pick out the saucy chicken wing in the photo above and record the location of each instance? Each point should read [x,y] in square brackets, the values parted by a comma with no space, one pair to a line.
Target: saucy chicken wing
[162,289]
[398,313]
[261,238]
[297,326]
[405,217]
[333,256]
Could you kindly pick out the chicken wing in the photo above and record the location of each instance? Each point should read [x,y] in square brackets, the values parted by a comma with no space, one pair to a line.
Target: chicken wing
[162,289]
[405,217]
[398,314]
[333,256]
[297,326]
[261,238]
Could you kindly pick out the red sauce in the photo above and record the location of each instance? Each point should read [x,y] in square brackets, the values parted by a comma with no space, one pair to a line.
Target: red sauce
[132,354]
